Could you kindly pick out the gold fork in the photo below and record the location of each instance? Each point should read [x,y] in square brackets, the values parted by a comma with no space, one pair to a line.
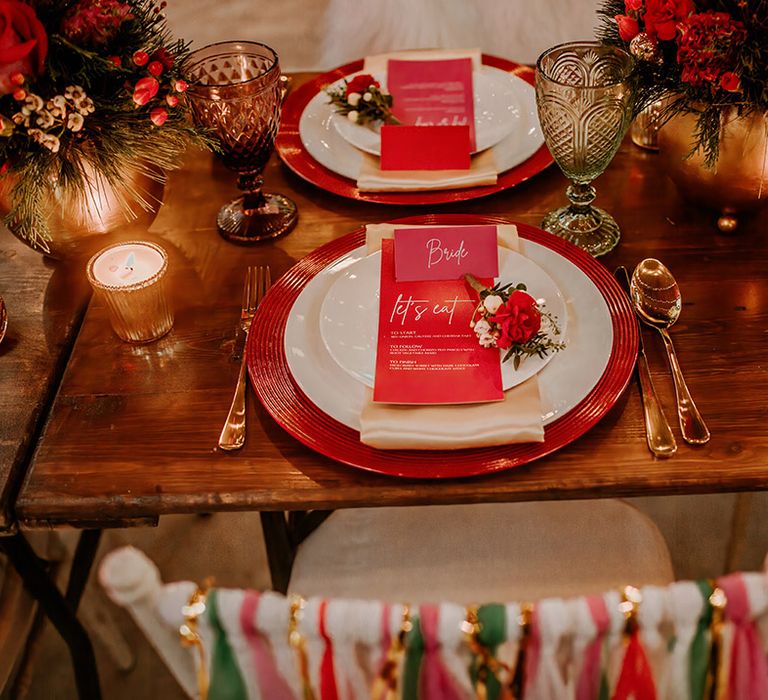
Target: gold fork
[257,282]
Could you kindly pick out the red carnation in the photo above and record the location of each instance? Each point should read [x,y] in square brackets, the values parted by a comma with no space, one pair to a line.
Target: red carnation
[94,22]
[23,43]
[361,83]
[633,5]
[519,319]
[708,48]
[662,17]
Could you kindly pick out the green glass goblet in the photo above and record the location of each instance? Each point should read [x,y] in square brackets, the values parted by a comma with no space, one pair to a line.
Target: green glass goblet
[584,98]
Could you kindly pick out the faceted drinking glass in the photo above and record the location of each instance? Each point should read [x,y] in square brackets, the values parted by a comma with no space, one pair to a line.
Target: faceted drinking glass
[236,93]
[584,99]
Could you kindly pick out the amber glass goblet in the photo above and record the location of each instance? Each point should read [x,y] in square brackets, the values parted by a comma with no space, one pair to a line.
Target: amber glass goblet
[584,97]
[235,93]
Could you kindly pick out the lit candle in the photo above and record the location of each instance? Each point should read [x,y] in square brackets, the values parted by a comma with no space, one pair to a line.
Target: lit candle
[130,278]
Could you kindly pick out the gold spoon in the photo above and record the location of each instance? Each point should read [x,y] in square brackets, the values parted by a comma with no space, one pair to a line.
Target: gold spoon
[3,319]
[658,302]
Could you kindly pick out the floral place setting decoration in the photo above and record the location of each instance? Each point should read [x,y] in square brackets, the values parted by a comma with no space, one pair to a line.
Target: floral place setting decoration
[362,101]
[509,318]
[700,66]
[89,91]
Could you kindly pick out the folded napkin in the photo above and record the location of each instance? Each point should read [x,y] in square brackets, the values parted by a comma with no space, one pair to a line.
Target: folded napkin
[517,418]
[372,178]
[379,62]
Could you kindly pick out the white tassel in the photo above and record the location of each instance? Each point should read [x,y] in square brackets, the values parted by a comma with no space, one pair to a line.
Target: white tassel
[272,621]
[455,653]
[650,616]
[554,623]
[685,606]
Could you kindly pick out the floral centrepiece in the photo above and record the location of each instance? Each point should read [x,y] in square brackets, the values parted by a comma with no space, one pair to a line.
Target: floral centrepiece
[509,318]
[362,101]
[90,85]
[708,56]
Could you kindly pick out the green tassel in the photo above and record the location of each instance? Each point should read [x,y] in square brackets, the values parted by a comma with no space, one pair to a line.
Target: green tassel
[414,654]
[699,655]
[226,681]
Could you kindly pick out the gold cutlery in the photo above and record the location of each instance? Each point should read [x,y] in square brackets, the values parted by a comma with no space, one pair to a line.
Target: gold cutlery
[257,282]
[658,302]
[658,434]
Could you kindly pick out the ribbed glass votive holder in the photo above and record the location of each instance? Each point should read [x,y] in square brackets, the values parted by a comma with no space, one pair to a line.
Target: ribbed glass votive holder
[131,280]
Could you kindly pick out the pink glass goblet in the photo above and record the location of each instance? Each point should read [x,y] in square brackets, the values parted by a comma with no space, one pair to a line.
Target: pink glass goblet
[235,92]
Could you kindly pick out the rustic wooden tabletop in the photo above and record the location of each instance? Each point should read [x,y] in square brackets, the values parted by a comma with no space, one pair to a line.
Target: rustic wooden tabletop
[133,429]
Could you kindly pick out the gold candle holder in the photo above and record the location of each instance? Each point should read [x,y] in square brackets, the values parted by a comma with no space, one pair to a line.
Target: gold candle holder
[131,280]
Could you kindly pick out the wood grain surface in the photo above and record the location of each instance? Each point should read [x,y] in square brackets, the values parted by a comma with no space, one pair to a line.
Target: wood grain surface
[133,430]
[45,302]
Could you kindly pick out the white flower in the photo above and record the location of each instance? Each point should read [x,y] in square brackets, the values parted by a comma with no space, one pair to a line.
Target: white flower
[482,327]
[57,106]
[353,115]
[75,121]
[492,303]
[51,142]
[74,93]
[353,98]
[21,118]
[85,106]
[487,340]
[44,119]
[367,97]
[33,102]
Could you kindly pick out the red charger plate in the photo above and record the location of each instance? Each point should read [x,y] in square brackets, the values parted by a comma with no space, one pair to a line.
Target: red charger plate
[292,409]
[295,156]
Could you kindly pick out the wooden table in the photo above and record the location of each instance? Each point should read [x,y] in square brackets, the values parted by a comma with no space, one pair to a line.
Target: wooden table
[132,432]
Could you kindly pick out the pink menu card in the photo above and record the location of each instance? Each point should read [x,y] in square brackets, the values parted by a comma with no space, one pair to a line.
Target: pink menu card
[427,353]
[434,103]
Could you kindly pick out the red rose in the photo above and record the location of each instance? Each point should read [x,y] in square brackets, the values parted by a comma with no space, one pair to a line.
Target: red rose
[662,17]
[519,319]
[23,43]
[633,5]
[361,83]
[628,27]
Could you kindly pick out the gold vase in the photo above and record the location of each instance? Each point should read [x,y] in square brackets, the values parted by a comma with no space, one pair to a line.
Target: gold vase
[82,223]
[738,183]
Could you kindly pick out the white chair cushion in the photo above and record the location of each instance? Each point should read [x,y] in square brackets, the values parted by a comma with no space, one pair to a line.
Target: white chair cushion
[481,552]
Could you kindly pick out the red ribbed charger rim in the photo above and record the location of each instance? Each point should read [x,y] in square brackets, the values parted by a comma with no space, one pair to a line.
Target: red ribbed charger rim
[295,156]
[291,408]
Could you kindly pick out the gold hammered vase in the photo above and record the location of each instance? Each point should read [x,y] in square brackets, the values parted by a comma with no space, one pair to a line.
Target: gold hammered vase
[739,181]
[81,224]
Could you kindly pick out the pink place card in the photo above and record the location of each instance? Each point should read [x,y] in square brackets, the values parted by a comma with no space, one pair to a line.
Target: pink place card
[425,147]
[445,253]
[427,353]
[433,93]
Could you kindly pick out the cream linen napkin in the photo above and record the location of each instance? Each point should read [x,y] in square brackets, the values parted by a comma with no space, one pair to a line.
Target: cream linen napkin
[372,178]
[378,63]
[517,418]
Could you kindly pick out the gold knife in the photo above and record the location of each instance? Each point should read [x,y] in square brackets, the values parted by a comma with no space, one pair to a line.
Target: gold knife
[661,441]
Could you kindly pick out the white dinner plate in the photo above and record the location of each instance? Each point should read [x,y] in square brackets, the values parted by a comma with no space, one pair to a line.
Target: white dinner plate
[563,383]
[324,143]
[350,312]
[496,111]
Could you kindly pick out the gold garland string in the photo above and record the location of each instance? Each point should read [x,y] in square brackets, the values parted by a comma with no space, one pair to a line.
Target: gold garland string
[299,645]
[189,633]
[716,682]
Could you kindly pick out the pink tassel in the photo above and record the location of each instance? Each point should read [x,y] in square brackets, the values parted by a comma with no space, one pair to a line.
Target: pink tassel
[588,686]
[436,682]
[271,683]
[748,677]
